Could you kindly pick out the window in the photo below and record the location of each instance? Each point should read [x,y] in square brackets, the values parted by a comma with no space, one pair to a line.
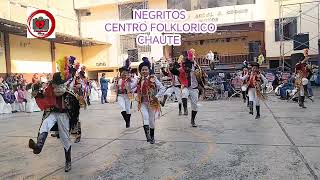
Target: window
[289,28]
[179,4]
[125,10]
[129,42]
[204,4]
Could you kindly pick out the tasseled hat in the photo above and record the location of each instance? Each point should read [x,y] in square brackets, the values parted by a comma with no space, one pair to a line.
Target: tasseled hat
[126,66]
[145,62]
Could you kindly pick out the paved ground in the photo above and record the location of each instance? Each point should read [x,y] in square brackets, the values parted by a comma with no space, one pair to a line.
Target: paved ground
[228,144]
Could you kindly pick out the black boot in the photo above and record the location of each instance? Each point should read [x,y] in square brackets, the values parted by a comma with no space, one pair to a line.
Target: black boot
[301,101]
[248,105]
[124,115]
[193,116]
[244,96]
[37,147]
[180,107]
[306,92]
[78,136]
[152,141]
[165,97]
[258,112]
[147,132]
[67,155]
[185,106]
[128,120]
[251,107]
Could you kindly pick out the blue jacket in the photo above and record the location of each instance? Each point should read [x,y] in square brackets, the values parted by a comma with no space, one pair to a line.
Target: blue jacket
[104,83]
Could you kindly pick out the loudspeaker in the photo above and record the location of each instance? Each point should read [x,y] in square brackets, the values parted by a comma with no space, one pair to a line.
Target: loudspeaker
[254,50]
[133,55]
[295,58]
[301,41]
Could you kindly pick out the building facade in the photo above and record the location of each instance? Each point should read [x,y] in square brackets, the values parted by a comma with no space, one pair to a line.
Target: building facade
[246,28]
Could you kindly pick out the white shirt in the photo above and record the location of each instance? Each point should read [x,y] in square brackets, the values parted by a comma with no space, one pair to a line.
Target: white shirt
[210,56]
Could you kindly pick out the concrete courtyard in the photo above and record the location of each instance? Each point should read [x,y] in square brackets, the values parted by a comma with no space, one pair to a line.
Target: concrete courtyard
[227,144]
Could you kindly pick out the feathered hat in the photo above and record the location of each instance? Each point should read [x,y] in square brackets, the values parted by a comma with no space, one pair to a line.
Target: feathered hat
[145,62]
[67,67]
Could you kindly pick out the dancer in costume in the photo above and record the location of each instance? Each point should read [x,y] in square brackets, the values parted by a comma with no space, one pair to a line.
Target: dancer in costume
[125,93]
[61,110]
[149,90]
[191,77]
[301,81]
[175,86]
[74,84]
[256,81]
[244,88]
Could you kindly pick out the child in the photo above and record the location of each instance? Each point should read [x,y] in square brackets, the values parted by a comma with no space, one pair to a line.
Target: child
[21,97]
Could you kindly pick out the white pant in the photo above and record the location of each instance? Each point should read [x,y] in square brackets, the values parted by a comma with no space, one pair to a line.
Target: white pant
[176,91]
[124,102]
[193,94]
[63,125]
[252,93]
[148,115]
[305,82]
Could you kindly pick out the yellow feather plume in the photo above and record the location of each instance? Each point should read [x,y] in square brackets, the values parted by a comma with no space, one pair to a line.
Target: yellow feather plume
[61,64]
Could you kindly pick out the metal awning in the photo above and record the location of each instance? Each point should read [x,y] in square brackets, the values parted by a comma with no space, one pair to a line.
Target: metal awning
[21,29]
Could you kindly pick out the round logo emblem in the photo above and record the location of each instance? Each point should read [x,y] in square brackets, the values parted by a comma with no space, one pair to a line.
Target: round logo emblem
[41,24]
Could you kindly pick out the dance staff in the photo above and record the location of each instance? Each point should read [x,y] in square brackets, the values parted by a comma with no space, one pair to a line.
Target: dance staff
[256,80]
[149,90]
[124,90]
[301,81]
[175,86]
[61,112]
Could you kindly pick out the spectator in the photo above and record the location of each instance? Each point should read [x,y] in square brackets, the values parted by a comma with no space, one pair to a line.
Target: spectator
[11,81]
[3,84]
[104,88]
[43,78]
[94,92]
[35,78]
[285,87]
[21,97]
[82,72]
[210,57]
[31,105]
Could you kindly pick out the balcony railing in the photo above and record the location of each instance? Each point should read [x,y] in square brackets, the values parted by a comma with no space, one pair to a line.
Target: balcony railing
[222,59]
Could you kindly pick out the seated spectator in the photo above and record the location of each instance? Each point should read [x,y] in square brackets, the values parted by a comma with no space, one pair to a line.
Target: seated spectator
[11,81]
[43,78]
[21,98]
[31,105]
[284,88]
[5,108]
[35,78]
